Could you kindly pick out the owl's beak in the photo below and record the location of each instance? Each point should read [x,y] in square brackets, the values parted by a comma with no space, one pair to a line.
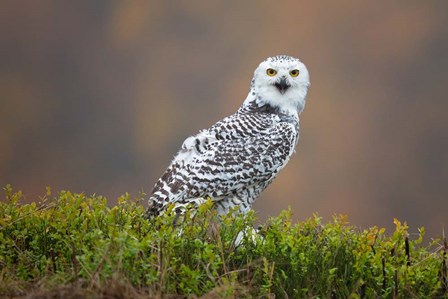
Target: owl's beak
[282,85]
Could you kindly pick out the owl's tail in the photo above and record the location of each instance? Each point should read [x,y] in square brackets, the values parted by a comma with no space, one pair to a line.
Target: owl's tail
[168,189]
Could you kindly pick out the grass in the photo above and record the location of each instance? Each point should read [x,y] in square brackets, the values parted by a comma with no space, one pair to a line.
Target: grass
[76,246]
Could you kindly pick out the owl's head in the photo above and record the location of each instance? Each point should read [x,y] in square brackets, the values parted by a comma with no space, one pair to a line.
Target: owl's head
[282,82]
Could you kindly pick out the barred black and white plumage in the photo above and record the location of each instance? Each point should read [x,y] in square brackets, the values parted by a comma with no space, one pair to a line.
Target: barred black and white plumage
[238,157]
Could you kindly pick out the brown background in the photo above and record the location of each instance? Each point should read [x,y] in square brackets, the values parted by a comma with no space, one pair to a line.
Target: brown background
[97,96]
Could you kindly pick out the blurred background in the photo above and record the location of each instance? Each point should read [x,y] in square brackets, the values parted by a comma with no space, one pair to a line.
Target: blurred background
[97,96]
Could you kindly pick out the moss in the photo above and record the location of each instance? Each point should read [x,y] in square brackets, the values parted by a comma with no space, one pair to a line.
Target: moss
[76,244]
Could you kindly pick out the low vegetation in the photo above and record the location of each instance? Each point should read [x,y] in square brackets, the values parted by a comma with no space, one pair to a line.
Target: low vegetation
[76,246]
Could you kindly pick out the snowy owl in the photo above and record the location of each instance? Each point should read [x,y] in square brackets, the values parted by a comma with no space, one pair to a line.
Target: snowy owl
[234,160]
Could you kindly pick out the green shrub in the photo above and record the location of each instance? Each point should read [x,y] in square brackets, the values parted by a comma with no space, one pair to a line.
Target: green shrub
[78,241]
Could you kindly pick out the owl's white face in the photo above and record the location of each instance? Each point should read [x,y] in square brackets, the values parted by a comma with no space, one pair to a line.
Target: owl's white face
[282,81]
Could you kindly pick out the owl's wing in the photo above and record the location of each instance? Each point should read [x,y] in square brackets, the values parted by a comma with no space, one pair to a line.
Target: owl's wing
[228,157]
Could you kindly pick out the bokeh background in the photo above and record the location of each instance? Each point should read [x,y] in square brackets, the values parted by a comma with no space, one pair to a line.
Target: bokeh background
[97,96]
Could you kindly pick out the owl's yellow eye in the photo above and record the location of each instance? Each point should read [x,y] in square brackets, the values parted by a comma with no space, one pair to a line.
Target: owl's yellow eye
[271,72]
[294,73]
